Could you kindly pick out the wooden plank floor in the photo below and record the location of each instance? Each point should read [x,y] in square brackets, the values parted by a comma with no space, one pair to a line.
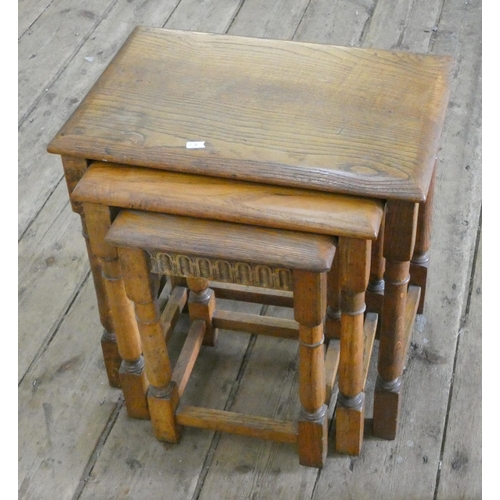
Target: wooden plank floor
[75,440]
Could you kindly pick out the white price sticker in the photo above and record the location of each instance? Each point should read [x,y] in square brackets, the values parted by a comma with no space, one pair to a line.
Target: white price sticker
[195,145]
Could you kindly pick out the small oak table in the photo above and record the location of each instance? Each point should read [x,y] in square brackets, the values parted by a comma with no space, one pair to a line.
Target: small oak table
[245,235]
[354,121]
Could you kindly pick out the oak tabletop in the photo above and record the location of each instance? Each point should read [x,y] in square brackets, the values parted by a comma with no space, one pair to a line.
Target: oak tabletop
[338,119]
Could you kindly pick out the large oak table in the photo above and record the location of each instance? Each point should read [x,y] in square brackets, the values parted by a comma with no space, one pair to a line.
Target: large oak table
[360,122]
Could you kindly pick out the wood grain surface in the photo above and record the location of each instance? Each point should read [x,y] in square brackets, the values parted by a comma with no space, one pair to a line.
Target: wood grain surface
[121,458]
[216,239]
[236,423]
[349,120]
[230,200]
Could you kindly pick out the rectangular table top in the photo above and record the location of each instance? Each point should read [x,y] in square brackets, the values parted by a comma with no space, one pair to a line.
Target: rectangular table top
[230,200]
[347,120]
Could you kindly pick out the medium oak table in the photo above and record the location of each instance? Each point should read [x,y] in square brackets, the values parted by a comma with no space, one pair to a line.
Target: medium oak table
[354,121]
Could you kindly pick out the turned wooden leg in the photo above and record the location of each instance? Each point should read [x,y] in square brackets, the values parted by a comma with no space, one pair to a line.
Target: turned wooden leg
[420,259]
[350,413]
[400,229]
[109,346]
[309,310]
[332,321]
[74,168]
[201,305]
[132,376]
[163,396]
[375,290]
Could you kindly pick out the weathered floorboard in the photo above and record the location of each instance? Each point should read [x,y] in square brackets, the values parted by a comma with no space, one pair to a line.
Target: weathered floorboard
[52,266]
[263,19]
[129,462]
[39,172]
[242,467]
[421,25]
[410,463]
[403,25]
[338,22]
[64,404]
[461,464]
[51,42]
[211,16]
[28,11]
[52,253]
[163,470]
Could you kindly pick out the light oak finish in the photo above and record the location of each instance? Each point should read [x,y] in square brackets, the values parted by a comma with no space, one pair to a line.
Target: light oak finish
[188,355]
[369,330]
[303,132]
[131,373]
[74,168]
[420,260]
[109,346]
[412,303]
[260,325]
[309,311]
[139,290]
[388,393]
[398,249]
[354,269]
[136,234]
[229,200]
[163,394]
[176,302]
[332,357]
[201,306]
[236,423]
[377,266]
[250,203]
[332,321]
[269,206]
[350,414]
[383,151]
[162,404]
[253,294]
[194,237]
[92,437]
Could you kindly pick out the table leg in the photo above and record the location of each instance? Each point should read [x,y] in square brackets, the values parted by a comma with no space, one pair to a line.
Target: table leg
[420,260]
[132,376]
[332,321]
[74,168]
[399,240]
[375,290]
[309,310]
[163,394]
[350,413]
[201,305]
[112,358]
